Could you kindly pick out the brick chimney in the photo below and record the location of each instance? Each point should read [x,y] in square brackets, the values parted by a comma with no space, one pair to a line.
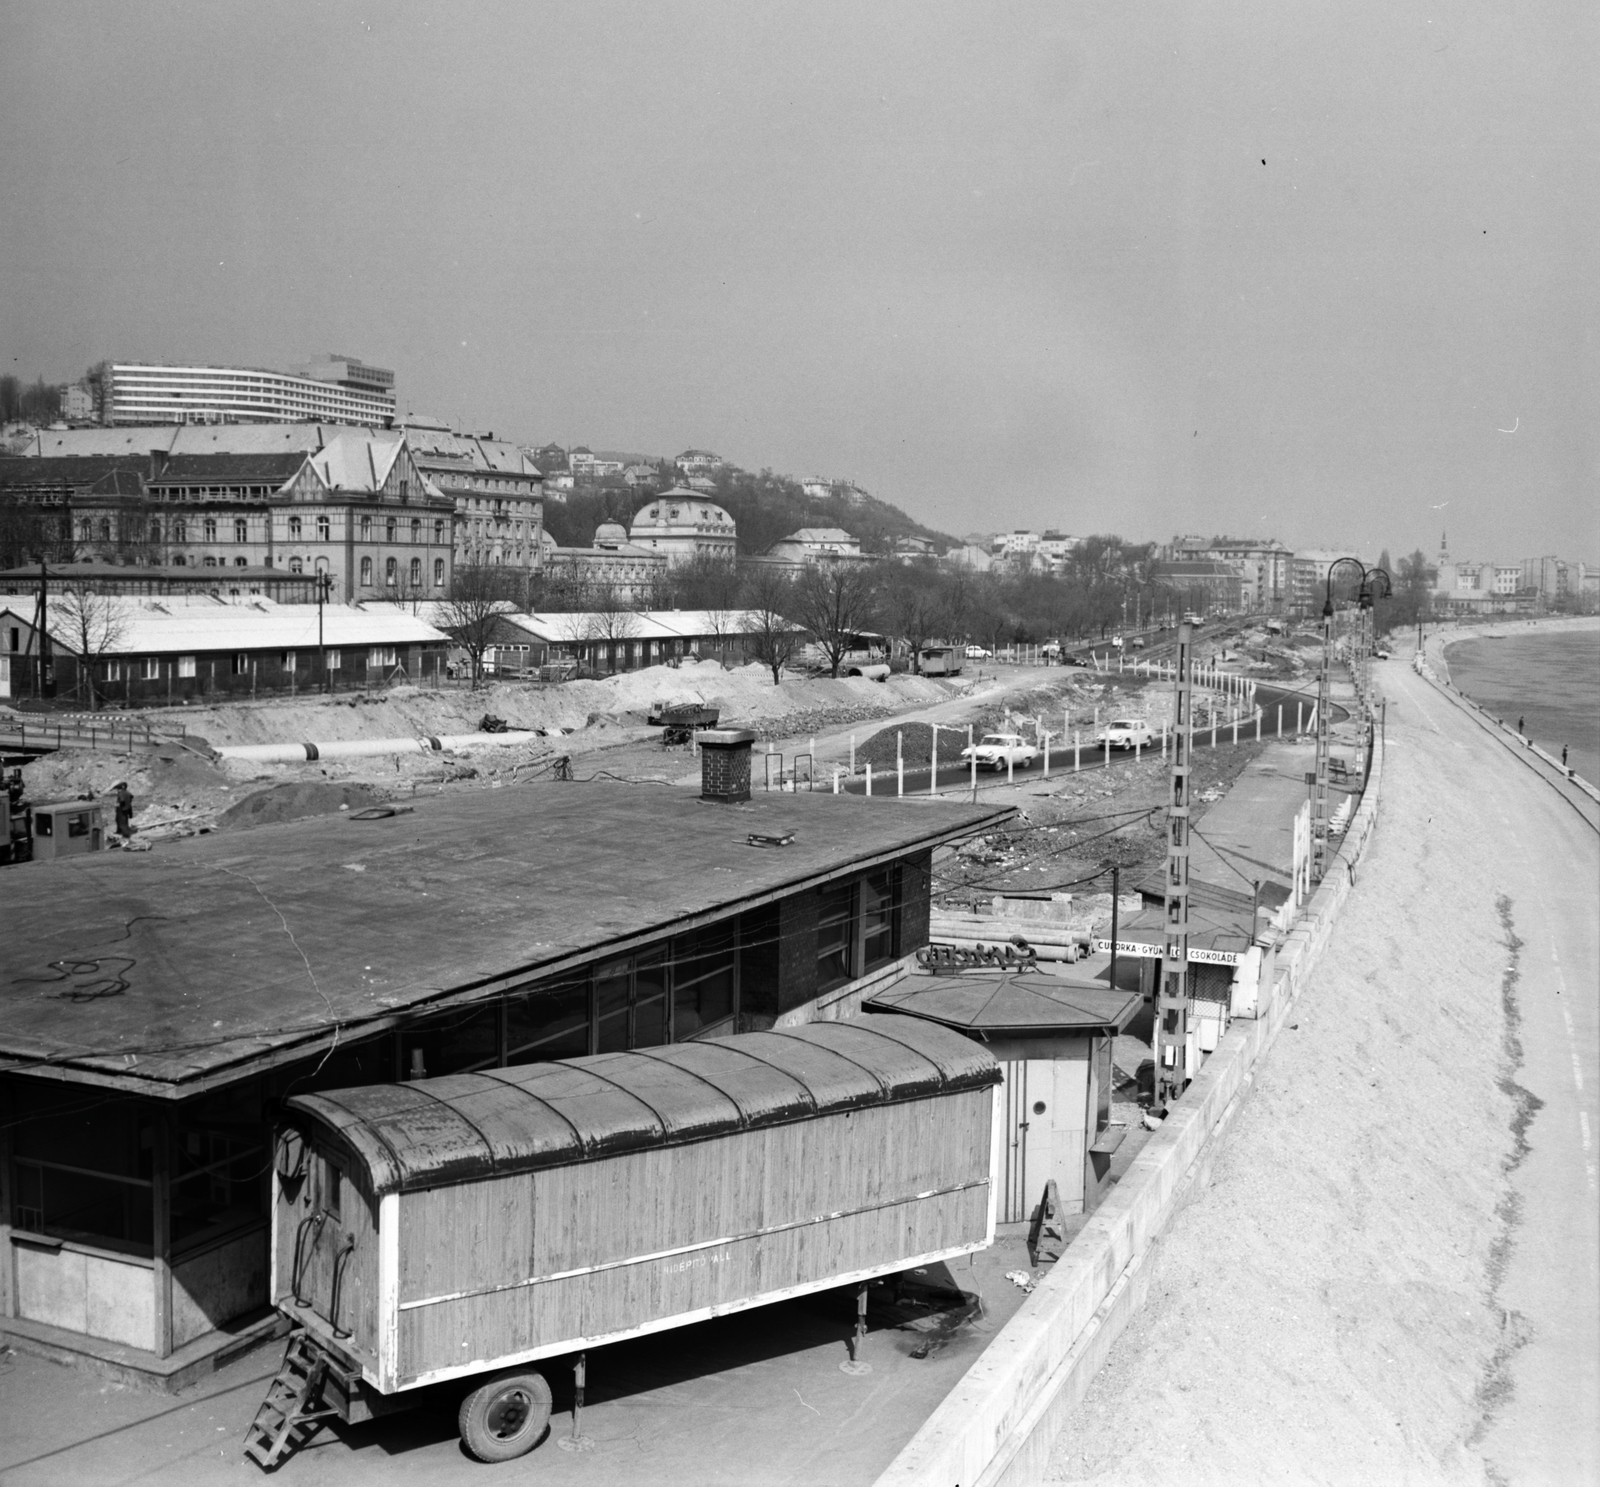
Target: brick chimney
[725,764]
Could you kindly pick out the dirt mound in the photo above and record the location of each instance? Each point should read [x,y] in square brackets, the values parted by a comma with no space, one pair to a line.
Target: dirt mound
[291,802]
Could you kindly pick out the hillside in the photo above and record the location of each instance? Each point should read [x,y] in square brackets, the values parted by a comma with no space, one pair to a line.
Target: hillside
[765,507]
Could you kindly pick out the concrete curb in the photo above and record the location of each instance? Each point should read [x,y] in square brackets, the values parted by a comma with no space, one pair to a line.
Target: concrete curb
[999,1424]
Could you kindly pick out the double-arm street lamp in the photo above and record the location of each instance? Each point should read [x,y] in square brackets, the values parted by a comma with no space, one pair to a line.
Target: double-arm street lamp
[1371,580]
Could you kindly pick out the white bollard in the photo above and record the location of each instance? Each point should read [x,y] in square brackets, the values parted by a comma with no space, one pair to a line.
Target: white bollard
[933,773]
[1280,720]
[1077,752]
[1299,723]
[1047,756]
[972,755]
[835,779]
[1011,762]
[869,779]
[899,762]
[1236,730]
[1258,725]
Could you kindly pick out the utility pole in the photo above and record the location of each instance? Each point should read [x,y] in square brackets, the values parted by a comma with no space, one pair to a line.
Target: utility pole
[1171,1034]
[1319,799]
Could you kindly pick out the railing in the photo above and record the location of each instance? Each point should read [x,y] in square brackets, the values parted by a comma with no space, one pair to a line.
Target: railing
[111,734]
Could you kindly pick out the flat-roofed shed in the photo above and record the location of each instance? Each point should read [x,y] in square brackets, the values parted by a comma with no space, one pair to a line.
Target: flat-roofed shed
[170,971]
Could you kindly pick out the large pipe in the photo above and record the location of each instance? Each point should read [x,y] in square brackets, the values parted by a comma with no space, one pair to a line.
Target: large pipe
[367,748]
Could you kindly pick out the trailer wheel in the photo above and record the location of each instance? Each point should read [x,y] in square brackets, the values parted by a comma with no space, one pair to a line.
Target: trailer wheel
[505,1417]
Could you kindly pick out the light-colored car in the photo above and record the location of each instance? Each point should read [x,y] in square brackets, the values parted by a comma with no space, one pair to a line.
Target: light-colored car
[978,653]
[996,750]
[1127,733]
[1137,643]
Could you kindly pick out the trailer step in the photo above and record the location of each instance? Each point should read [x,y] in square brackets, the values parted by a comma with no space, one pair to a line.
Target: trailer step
[290,1413]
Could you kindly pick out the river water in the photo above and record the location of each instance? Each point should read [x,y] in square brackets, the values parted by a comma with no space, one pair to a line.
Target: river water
[1551,681]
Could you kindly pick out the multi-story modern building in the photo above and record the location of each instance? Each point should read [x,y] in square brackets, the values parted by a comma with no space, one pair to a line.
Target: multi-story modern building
[333,389]
[497,489]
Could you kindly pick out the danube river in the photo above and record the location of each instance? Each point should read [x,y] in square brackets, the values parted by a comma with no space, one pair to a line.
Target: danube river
[1550,680]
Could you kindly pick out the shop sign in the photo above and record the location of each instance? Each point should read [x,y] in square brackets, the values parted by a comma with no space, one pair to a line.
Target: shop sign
[1156,952]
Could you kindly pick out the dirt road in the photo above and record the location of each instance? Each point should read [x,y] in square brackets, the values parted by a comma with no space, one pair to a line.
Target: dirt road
[1395,1275]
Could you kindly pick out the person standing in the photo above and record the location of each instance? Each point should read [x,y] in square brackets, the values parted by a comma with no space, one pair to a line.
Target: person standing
[1519,725]
[124,809]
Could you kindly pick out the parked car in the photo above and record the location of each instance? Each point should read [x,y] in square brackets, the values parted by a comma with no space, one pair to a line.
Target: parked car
[1137,643]
[978,653]
[1127,733]
[997,750]
[1381,654]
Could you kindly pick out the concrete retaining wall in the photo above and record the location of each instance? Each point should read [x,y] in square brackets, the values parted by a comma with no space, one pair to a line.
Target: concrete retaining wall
[999,1424]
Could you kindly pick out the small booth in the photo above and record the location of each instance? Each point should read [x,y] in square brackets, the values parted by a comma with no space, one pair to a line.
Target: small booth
[67,828]
[1052,1037]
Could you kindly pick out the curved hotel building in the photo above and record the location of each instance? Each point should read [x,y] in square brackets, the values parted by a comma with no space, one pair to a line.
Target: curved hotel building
[336,389]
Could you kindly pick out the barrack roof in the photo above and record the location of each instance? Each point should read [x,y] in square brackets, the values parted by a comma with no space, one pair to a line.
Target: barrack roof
[465,1127]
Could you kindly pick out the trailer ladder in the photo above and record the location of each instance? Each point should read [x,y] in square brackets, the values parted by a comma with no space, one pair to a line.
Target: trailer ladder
[285,1421]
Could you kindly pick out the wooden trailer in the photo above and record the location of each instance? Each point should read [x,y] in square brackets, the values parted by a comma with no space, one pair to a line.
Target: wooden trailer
[463,1228]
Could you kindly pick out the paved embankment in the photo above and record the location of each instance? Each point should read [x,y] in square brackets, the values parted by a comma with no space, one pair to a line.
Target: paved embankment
[1394,1274]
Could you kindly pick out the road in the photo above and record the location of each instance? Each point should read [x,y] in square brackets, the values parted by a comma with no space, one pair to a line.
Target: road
[1395,1274]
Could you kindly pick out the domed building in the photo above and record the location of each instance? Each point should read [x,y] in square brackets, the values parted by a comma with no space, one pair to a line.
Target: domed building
[682,523]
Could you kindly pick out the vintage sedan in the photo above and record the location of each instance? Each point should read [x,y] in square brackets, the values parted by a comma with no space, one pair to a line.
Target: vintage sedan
[998,750]
[1127,733]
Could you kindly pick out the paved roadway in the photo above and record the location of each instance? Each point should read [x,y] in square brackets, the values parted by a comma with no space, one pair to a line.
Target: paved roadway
[1395,1275]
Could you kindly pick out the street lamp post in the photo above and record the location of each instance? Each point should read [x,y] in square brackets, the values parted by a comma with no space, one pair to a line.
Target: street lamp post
[1319,808]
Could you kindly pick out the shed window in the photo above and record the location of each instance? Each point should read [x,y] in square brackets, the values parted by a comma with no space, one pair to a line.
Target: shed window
[185,666]
[836,935]
[549,1024]
[241,664]
[381,655]
[704,983]
[150,669]
[630,998]
[877,920]
[335,660]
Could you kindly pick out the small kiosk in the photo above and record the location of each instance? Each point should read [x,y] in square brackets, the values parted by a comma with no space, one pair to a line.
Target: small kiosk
[1052,1036]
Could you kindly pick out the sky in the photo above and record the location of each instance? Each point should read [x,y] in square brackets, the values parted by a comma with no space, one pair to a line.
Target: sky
[1318,271]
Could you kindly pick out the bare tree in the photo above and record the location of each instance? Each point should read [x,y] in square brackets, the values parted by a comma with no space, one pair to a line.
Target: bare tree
[770,636]
[836,604]
[94,625]
[913,608]
[611,619]
[471,615]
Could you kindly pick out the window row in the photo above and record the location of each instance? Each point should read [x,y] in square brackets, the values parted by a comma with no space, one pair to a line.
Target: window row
[240,663]
[391,572]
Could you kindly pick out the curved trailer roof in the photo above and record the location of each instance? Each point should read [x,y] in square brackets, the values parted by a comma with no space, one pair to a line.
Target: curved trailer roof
[434,1132]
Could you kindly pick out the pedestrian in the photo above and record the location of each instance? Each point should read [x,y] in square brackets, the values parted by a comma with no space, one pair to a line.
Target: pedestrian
[124,808]
[1519,725]
[1563,756]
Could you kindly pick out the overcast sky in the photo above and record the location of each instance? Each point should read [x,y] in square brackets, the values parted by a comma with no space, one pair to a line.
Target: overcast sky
[1280,268]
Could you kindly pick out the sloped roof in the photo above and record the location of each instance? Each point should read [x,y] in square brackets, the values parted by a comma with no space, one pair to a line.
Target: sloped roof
[76,472]
[822,534]
[1011,1003]
[187,624]
[276,467]
[648,624]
